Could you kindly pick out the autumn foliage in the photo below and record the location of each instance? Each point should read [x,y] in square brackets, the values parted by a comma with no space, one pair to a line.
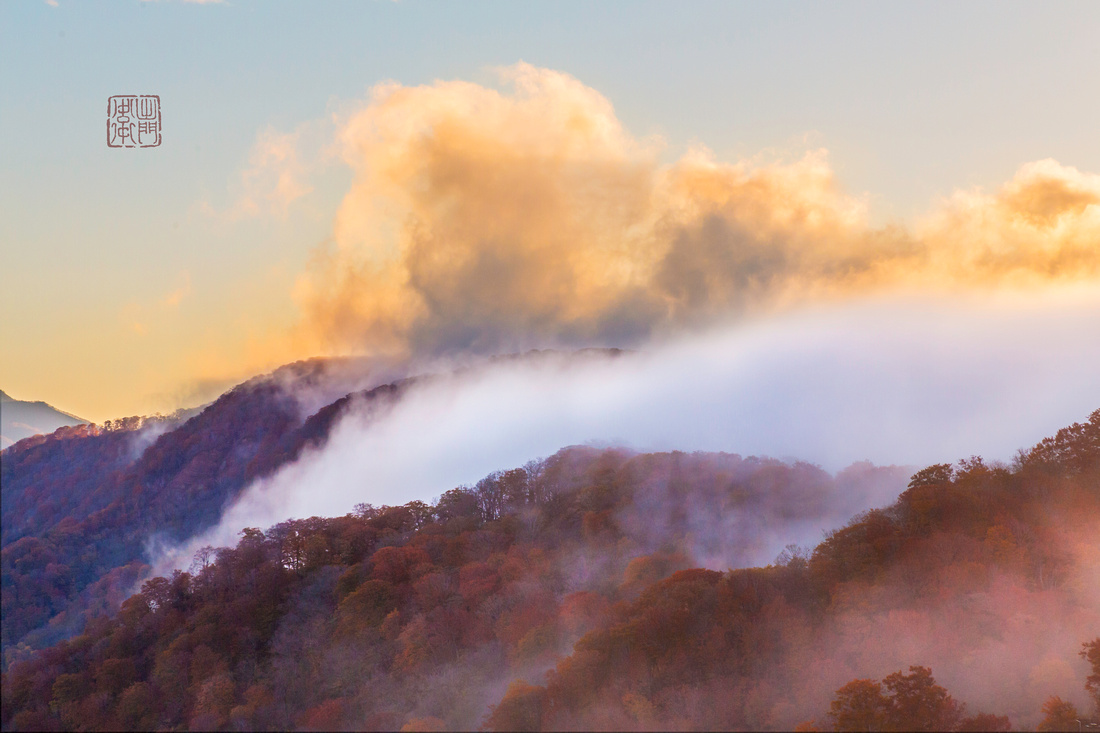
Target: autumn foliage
[80,507]
[565,594]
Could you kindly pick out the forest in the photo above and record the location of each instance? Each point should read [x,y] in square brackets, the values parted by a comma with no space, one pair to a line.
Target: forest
[585,591]
[81,506]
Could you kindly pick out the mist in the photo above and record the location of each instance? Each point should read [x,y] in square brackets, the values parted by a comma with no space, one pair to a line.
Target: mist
[1004,649]
[894,382]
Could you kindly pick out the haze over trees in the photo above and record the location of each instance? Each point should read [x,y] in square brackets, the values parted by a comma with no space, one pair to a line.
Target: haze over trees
[539,599]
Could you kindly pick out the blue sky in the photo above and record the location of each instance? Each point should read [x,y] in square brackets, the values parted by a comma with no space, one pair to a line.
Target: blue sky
[912,101]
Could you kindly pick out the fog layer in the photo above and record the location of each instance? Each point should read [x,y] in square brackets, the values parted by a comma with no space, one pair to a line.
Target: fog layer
[893,382]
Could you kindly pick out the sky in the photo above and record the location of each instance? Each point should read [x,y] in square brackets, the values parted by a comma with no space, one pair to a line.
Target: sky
[416,179]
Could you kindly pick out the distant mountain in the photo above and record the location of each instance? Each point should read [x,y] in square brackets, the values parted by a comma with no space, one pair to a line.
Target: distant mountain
[20,419]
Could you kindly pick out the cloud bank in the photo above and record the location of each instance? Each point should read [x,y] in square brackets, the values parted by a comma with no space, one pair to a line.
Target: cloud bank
[894,382]
[487,220]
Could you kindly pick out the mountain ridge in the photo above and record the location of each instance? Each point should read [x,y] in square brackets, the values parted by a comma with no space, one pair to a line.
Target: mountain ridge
[21,419]
[105,493]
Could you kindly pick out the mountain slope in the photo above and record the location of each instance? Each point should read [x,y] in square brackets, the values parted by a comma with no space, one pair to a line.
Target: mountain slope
[80,507]
[542,599]
[20,419]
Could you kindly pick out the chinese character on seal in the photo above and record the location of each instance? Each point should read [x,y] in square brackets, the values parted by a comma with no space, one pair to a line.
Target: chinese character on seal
[133,121]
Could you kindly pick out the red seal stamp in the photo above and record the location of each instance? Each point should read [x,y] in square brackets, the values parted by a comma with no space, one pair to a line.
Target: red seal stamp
[133,121]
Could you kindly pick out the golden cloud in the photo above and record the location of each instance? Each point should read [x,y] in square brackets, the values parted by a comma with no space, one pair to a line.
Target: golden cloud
[489,220]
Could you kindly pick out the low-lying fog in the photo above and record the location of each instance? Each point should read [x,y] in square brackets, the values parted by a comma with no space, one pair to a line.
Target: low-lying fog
[893,382]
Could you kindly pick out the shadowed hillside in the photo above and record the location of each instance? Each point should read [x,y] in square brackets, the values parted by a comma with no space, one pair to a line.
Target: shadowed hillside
[85,508]
[82,505]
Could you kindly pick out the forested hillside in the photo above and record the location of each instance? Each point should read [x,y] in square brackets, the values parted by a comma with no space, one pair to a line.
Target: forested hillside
[82,506]
[567,594]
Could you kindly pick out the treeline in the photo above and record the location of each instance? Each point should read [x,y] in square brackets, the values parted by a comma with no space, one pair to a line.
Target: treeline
[540,599]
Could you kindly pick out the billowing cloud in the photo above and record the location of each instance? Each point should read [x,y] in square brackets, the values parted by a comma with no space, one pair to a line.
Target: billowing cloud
[1043,224]
[486,220]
